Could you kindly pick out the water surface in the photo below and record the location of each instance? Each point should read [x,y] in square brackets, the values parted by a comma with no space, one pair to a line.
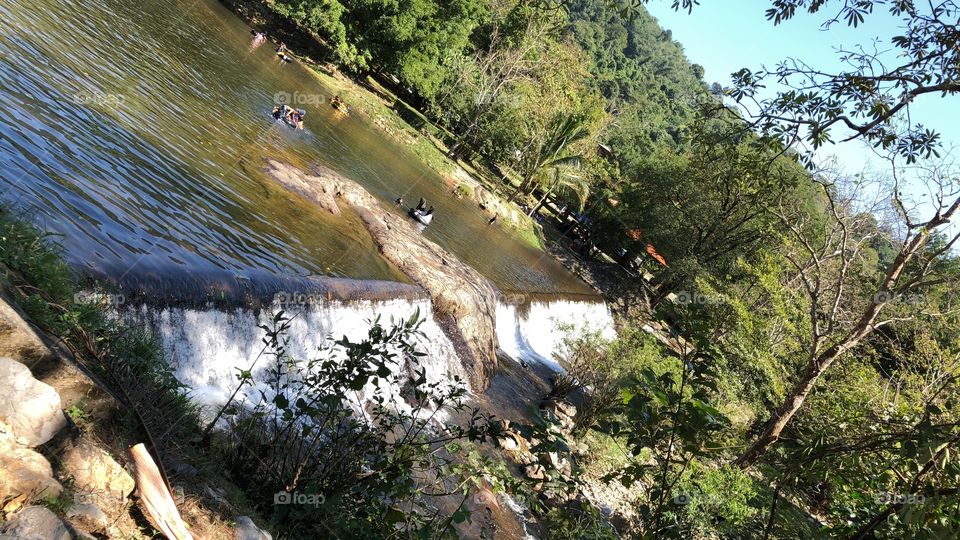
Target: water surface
[139,130]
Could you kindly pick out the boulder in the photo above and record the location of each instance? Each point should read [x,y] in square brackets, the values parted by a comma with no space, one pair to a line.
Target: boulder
[36,523]
[25,475]
[30,407]
[535,472]
[89,516]
[18,339]
[96,476]
[248,530]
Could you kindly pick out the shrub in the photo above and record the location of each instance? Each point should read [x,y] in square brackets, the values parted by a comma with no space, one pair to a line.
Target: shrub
[352,432]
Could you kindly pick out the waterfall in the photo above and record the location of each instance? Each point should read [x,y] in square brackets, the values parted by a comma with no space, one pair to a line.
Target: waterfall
[210,326]
[208,345]
[532,328]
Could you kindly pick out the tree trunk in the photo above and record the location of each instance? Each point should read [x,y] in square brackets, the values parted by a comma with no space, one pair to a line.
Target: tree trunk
[783,415]
[520,188]
[542,200]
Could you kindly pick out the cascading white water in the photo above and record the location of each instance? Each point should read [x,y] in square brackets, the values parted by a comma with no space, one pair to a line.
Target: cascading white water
[208,346]
[533,331]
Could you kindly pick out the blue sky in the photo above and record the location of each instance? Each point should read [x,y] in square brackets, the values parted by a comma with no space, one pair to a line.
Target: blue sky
[726,35]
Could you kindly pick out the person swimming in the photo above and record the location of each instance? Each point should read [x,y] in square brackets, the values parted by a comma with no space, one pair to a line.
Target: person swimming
[277,112]
[398,201]
[295,116]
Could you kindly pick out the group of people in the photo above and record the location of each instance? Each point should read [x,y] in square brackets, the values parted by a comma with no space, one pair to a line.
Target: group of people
[422,208]
[293,116]
[339,104]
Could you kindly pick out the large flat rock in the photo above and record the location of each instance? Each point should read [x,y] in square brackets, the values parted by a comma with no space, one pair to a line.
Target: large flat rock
[464,301]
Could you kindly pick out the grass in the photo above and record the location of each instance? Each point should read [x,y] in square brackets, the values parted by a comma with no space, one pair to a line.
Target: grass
[128,359]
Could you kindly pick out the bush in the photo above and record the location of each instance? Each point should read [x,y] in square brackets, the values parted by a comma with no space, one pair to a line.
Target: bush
[350,431]
[599,367]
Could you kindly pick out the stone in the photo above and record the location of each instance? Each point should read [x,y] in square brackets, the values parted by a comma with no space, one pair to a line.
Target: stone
[31,408]
[566,409]
[535,471]
[36,523]
[96,475]
[89,516]
[25,475]
[510,441]
[248,530]
[18,339]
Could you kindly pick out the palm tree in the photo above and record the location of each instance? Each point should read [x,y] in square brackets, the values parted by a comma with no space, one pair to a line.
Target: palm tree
[554,152]
[564,178]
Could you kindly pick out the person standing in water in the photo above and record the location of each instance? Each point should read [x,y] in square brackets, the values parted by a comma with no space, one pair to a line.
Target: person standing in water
[493,219]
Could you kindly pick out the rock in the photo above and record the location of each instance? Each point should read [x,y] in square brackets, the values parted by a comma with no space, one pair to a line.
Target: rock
[96,475]
[464,302]
[18,339]
[509,441]
[566,409]
[535,471]
[25,475]
[248,530]
[30,407]
[551,458]
[36,523]
[89,516]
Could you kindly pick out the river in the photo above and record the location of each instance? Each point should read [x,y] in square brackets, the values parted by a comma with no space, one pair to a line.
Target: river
[137,131]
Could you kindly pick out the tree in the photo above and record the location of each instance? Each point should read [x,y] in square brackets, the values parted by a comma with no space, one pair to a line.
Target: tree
[826,263]
[555,151]
[504,56]
[869,97]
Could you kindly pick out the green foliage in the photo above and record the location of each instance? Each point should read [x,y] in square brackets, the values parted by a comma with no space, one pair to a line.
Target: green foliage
[349,428]
[715,501]
[577,524]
